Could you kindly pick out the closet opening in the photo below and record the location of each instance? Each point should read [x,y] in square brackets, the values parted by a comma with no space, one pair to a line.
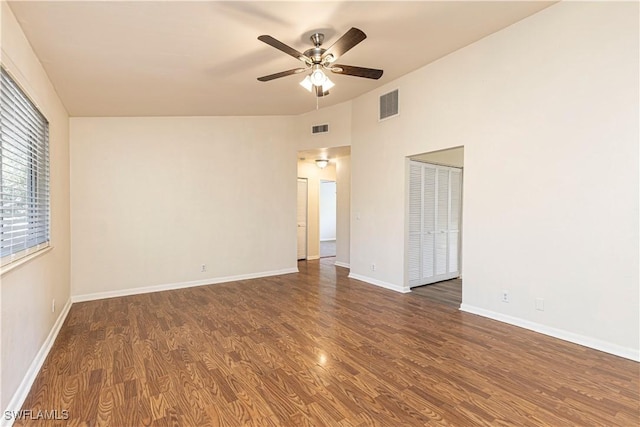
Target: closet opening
[433,230]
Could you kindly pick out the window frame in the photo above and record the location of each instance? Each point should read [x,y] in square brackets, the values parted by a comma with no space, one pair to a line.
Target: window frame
[25,165]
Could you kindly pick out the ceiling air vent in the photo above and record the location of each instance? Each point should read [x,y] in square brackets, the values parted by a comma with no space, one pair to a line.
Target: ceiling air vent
[319,129]
[388,105]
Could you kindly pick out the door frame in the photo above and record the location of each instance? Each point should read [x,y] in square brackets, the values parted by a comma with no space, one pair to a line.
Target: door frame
[408,161]
[306,219]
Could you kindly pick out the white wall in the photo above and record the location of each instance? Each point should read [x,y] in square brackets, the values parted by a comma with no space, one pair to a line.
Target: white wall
[26,292]
[155,198]
[547,111]
[327,210]
[338,117]
[343,208]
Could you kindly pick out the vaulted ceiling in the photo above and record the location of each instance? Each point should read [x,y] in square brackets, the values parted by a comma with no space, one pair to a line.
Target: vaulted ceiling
[197,58]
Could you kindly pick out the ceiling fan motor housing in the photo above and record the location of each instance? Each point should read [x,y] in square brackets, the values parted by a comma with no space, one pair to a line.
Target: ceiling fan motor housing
[316,53]
[317,39]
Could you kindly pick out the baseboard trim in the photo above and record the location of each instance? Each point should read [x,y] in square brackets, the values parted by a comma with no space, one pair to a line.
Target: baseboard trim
[15,404]
[616,350]
[313,257]
[342,264]
[379,283]
[179,285]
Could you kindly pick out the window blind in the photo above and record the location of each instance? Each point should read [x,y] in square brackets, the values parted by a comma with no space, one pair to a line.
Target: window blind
[24,174]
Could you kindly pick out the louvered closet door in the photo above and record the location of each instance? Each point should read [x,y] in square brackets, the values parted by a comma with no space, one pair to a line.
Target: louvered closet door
[415,222]
[434,223]
[442,218]
[429,225]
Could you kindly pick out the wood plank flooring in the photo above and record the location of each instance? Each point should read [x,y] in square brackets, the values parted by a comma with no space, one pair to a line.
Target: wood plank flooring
[448,292]
[318,349]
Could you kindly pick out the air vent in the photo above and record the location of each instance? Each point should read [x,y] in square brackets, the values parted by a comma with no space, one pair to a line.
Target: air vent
[320,129]
[389,105]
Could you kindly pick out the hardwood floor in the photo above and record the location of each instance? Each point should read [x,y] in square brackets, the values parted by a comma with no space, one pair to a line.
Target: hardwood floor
[448,292]
[317,348]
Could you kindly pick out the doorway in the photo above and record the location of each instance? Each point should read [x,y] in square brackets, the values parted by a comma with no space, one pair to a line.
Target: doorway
[302,214]
[338,172]
[328,209]
[433,242]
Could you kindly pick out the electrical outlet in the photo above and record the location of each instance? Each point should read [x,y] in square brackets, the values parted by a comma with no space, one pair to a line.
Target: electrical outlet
[373,267]
[505,296]
[540,304]
[203,268]
[53,305]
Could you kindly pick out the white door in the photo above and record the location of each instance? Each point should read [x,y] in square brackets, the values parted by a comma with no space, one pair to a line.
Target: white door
[434,203]
[302,218]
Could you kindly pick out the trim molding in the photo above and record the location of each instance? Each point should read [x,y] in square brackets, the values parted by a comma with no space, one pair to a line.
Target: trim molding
[15,404]
[379,283]
[596,344]
[342,264]
[179,285]
[24,259]
[313,257]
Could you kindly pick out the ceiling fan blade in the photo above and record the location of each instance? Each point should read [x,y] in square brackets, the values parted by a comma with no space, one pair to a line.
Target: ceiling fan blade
[284,48]
[345,43]
[350,70]
[281,74]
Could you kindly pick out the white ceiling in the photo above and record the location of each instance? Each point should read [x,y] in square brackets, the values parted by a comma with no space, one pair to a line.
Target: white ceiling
[186,58]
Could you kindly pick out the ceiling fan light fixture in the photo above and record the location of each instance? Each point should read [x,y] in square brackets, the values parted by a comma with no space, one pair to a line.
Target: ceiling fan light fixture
[306,83]
[317,76]
[328,84]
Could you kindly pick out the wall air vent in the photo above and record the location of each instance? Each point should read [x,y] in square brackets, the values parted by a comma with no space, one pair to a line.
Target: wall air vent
[319,129]
[388,105]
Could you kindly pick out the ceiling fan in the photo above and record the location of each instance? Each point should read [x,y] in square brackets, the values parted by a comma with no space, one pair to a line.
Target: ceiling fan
[318,60]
